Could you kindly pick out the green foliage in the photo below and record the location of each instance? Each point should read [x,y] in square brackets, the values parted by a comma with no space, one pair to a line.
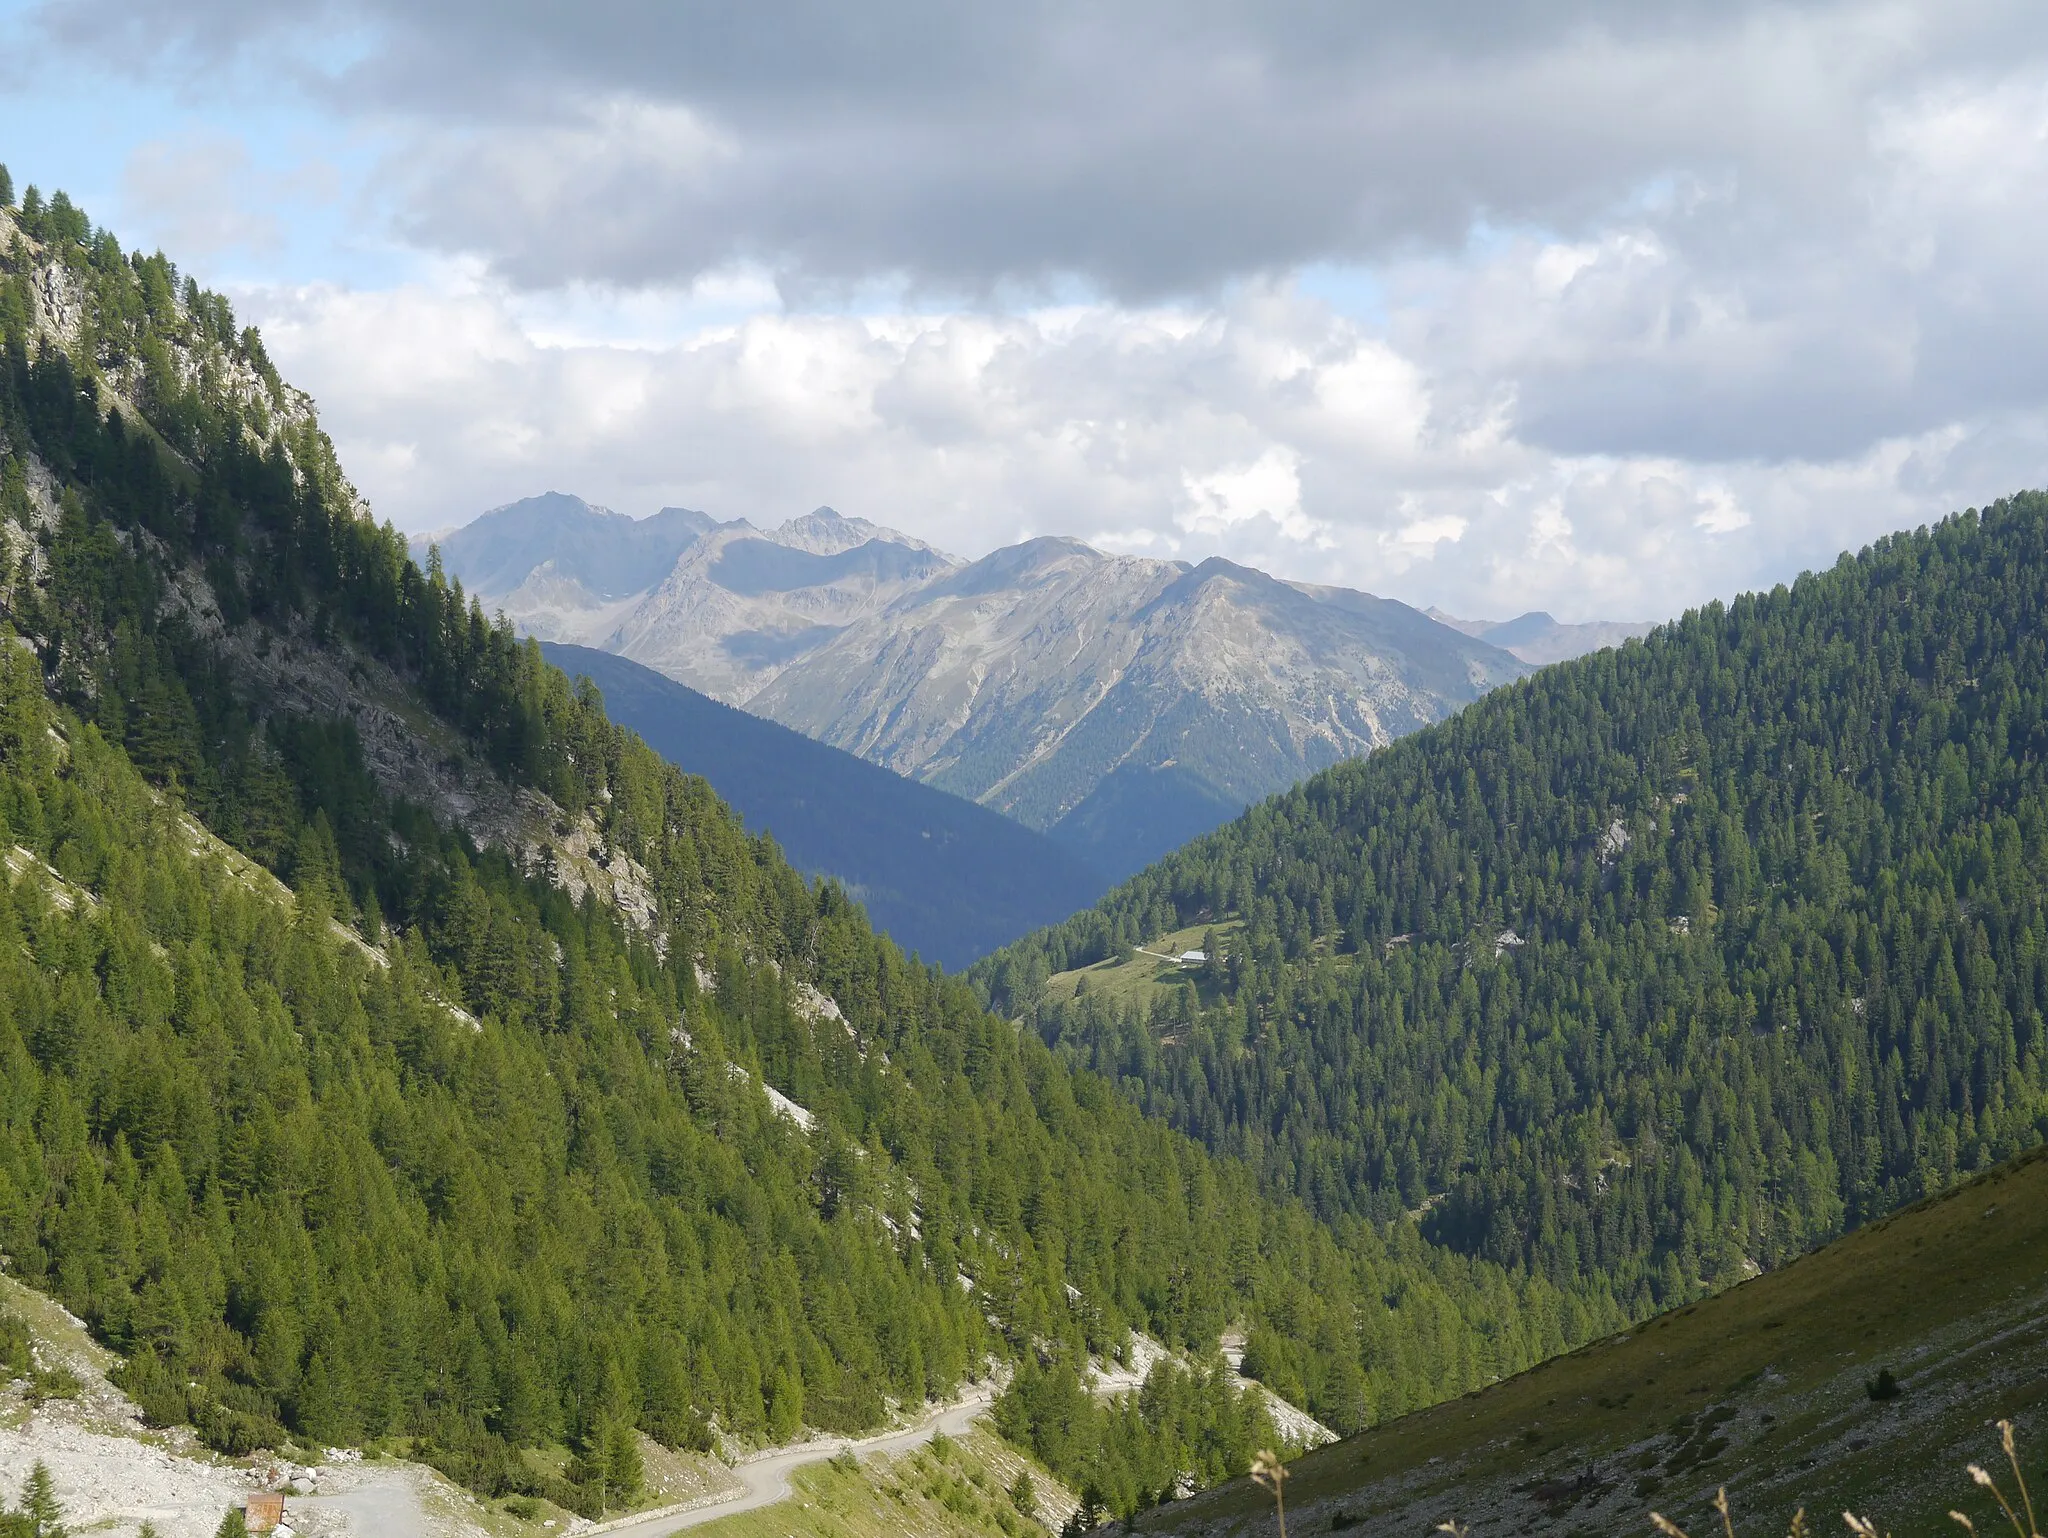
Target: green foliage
[17,1349]
[1664,964]
[40,1514]
[233,1525]
[1186,1423]
[58,1382]
[509,1182]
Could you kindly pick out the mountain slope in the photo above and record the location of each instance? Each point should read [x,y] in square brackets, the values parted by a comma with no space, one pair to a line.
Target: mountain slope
[1658,967]
[1122,704]
[941,876]
[1125,704]
[1537,638]
[1763,1389]
[605,554]
[394,1050]
[740,607]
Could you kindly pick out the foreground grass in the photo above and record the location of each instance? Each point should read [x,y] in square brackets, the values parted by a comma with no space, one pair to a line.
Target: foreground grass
[1763,1389]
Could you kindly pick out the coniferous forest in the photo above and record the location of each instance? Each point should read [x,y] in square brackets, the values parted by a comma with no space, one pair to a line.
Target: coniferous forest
[1653,969]
[352,1126]
[344,1119]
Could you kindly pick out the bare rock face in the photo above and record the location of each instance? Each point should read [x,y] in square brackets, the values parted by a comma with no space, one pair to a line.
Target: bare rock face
[1121,703]
[740,607]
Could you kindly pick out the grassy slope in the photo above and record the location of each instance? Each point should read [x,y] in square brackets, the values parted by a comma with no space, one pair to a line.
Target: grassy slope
[1760,1389]
[1146,974]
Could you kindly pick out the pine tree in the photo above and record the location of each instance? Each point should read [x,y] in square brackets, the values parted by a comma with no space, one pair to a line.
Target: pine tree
[41,1514]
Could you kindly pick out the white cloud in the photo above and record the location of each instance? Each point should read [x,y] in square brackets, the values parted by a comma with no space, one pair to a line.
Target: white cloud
[1638,306]
[1423,535]
[1268,487]
[1169,433]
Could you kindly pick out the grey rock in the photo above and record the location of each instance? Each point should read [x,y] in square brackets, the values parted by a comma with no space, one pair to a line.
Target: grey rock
[1123,704]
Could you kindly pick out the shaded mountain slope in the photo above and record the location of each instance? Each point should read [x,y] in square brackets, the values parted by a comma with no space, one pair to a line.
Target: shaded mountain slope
[943,877]
[1663,965]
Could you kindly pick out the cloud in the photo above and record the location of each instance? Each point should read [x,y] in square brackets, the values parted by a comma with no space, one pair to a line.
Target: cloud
[194,194]
[1174,432]
[1151,148]
[1638,304]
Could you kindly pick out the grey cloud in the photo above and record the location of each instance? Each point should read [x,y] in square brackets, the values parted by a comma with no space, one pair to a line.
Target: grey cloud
[1148,148]
[1809,230]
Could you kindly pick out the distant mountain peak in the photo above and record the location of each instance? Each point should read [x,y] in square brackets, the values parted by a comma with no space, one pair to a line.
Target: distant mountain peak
[1124,702]
[827,531]
[1538,638]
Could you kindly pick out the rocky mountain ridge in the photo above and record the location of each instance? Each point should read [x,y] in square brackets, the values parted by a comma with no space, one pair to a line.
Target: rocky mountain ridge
[1122,703]
[1539,639]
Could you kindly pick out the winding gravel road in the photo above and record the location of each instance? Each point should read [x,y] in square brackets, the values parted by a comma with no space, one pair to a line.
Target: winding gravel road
[765,1480]
[386,1503]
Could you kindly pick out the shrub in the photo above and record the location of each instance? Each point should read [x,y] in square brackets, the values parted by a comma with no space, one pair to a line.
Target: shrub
[1883,1386]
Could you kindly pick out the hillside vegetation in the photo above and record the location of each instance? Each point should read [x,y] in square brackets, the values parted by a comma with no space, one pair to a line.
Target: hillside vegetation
[1830,1385]
[383,1031]
[1662,966]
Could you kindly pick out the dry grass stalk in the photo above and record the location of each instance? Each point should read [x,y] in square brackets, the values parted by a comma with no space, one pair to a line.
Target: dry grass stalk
[1863,1527]
[1269,1473]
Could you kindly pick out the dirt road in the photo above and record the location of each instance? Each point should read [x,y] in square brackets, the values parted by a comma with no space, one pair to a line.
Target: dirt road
[765,1479]
[387,1504]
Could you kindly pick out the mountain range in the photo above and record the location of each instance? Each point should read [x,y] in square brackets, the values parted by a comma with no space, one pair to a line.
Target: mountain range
[1121,704]
[1537,638]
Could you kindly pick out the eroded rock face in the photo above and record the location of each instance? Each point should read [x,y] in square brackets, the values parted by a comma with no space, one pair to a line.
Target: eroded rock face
[408,751]
[415,756]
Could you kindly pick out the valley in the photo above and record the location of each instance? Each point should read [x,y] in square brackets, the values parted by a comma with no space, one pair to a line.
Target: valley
[1090,1019]
[398,1055]
[946,879]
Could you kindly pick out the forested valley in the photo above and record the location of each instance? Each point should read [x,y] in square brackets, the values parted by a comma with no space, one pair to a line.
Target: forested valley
[1654,969]
[343,1123]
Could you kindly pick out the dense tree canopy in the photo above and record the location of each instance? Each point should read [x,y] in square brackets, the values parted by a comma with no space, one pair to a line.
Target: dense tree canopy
[1659,966]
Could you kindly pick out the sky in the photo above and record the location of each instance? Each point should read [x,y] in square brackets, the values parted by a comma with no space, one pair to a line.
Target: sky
[1602,308]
